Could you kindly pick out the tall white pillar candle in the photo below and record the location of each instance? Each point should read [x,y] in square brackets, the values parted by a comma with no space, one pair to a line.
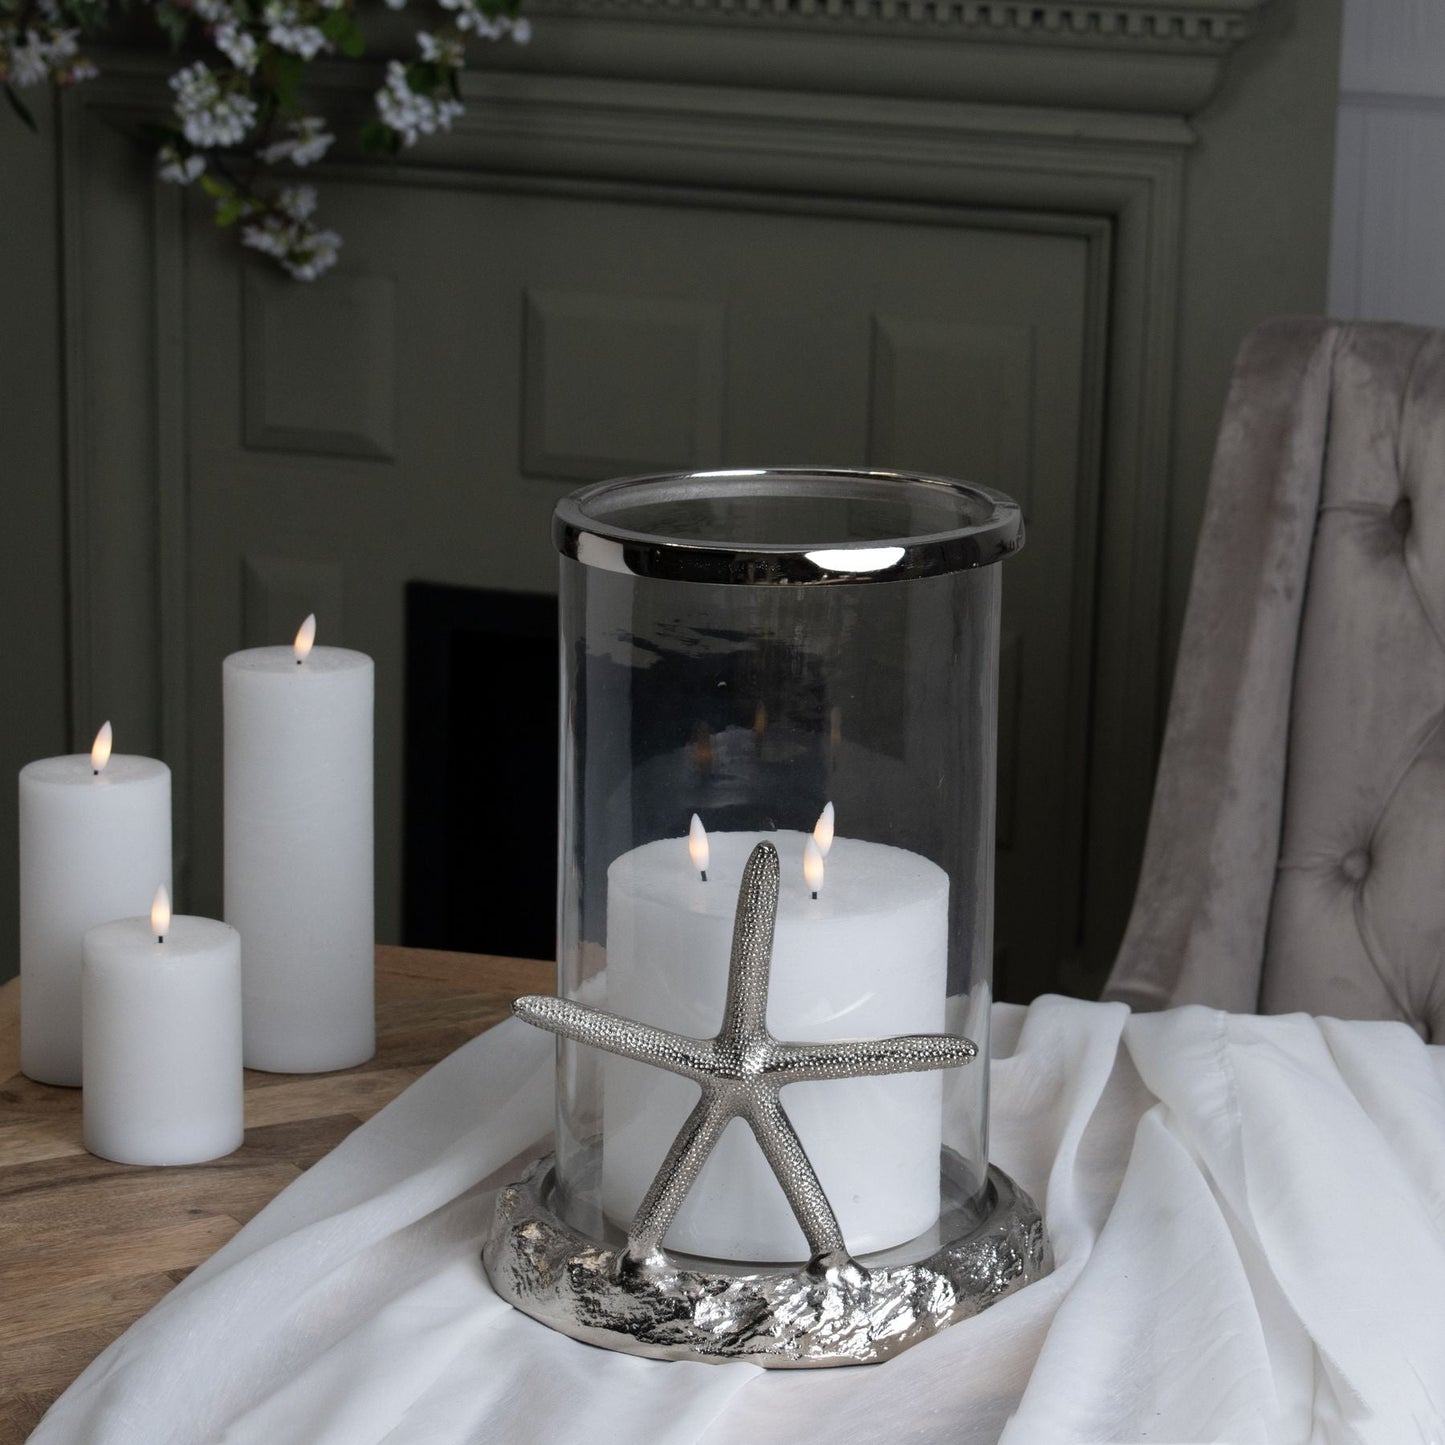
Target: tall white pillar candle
[298,852]
[161,1004]
[866,958]
[95,839]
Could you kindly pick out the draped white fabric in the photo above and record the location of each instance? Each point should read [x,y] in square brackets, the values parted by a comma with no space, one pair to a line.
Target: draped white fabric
[1248,1216]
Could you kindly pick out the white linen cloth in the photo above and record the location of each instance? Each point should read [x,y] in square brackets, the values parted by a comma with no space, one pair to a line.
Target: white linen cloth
[1248,1218]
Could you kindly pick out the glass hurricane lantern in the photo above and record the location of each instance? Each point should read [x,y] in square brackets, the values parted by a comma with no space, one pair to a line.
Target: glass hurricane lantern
[779,699]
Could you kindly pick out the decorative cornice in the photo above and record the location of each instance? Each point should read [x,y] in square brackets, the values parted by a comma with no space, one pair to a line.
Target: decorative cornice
[1205,25]
[1156,57]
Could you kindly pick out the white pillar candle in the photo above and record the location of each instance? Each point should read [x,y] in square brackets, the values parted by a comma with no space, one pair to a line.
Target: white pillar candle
[95,838]
[867,958]
[161,1004]
[298,851]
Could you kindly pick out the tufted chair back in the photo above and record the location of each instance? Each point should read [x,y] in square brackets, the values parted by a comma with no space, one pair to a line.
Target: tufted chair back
[1296,851]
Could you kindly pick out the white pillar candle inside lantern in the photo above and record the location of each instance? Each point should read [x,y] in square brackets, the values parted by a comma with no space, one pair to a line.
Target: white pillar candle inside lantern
[740,652]
[95,838]
[299,851]
[162,1033]
[866,958]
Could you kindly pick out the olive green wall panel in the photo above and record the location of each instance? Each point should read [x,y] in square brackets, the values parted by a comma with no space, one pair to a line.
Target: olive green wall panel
[317,372]
[616,383]
[278,593]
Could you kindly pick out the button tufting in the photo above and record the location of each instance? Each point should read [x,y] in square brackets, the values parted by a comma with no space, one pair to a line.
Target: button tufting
[1401,515]
[1355,865]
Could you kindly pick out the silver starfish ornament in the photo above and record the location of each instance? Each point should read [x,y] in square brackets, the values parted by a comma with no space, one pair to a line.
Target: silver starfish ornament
[741,1071]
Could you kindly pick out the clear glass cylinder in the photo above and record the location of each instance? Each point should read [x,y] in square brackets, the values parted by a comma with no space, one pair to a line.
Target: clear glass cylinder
[750,647]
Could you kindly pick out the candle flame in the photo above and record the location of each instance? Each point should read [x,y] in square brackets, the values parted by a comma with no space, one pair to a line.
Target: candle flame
[697,844]
[305,638]
[823,830]
[813,866]
[100,748]
[161,913]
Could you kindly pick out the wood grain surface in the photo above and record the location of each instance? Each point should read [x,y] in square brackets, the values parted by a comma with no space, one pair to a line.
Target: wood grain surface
[87,1246]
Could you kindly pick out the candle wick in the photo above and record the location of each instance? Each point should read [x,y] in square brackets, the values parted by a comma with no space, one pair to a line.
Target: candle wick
[703,872]
[815,897]
[161,938]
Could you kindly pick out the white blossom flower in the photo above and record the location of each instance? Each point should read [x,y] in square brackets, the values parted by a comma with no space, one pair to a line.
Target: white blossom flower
[286,32]
[411,113]
[288,235]
[210,116]
[271,236]
[173,166]
[42,55]
[307,141]
[28,65]
[448,50]
[212,11]
[314,254]
[238,46]
[521,30]
[298,202]
[62,45]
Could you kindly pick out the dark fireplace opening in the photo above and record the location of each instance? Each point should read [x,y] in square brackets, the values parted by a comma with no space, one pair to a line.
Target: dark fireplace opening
[480,811]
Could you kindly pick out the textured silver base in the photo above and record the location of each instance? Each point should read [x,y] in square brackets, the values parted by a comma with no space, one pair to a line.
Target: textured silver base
[834,1311]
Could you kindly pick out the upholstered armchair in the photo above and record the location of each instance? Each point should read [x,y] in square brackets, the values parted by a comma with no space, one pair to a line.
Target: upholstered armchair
[1296,849]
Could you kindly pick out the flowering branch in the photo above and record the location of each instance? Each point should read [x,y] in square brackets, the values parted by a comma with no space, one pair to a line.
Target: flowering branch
[239,121]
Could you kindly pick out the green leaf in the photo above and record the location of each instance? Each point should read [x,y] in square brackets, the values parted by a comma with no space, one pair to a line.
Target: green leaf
[353,41]
[216,188]
[287,73]
[20,108]
[424,76]
[229,212]
[174,23]
[378,139]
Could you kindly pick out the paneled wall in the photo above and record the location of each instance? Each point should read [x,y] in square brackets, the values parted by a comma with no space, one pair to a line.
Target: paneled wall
[936,238]
[1389,211]
[405,421]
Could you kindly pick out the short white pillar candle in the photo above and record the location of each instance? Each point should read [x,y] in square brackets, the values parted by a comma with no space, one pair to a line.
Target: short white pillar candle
[299,851]
[95,838]
[867,957]
[161,1005]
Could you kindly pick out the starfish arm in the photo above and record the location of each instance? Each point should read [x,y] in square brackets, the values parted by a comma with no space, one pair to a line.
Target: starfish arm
[673,1052]
[862,1058]
[789,1160]
[679,1171]
[745,1012]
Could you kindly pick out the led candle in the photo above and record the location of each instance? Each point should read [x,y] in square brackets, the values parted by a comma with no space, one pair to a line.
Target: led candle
[865,958]
[95,836]
[299,849]
[161,1010]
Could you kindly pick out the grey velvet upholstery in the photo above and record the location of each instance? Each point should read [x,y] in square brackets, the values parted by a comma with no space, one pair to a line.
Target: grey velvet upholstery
[1296,850]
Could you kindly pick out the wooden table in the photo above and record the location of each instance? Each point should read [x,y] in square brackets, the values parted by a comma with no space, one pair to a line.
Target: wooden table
[87,1246]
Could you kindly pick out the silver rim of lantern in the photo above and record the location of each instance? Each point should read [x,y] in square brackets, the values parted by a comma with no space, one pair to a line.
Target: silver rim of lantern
[924,526]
